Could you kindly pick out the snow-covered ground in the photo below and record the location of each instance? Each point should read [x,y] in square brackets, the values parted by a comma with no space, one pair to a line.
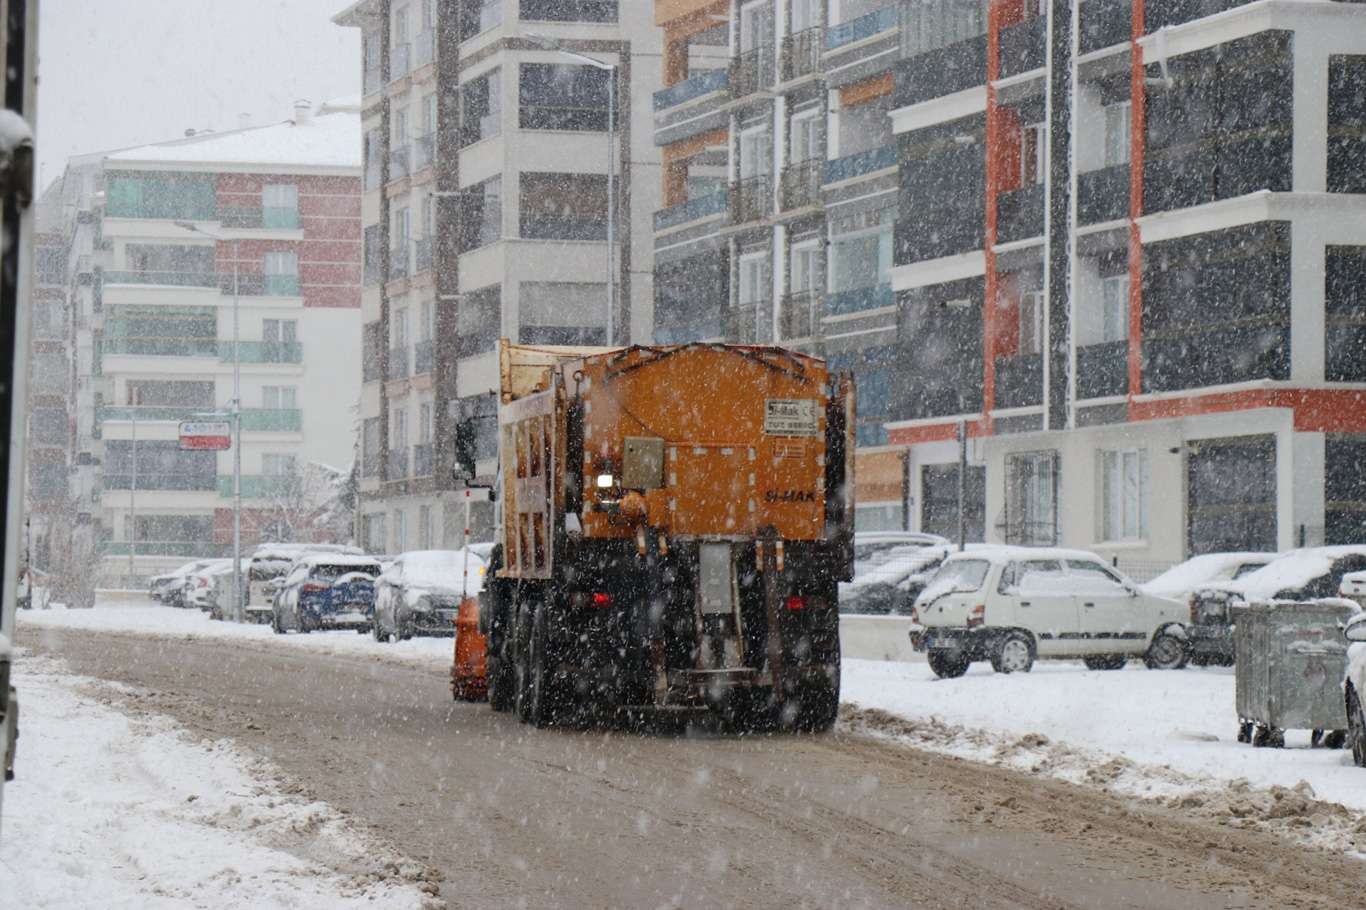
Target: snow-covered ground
[118,808]
[1169,736]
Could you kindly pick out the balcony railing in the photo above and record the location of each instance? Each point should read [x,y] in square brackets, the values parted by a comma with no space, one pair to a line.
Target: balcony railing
[397,468]
[164,279]
[268,217]
[373,82]
[1103,369]
[842,303]
[801,184]
[398,162]
[423,357]
[1022,46]
[423,459]
[424,148]
[1105,23]
[943,395]
[866,26]
[1020,214]
[751,199]
[703,83]
[255,486]
[692,210]
[1019,381]
[424,49]
[861,163]
[802,53]
[399,58]
[160,347]
[186,549]
[398,363]
[279,286]
[145,412]
[751,71]
[800,316]
[940,72]
[398,261]
[272,420]
[264,351]
[174,483]
[369,463]
[1103,195]
[541,226]
[422,254]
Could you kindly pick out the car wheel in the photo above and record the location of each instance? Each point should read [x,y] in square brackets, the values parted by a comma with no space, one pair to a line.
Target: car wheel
[1014,653]
[1105,661]
[1356,728]
[1167,652]
[948,664]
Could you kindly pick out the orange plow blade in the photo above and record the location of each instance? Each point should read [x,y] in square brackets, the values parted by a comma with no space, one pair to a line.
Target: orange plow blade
[468,682]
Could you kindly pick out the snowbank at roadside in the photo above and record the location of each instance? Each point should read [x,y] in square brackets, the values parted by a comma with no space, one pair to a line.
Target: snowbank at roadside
[114,809]
[1169,736]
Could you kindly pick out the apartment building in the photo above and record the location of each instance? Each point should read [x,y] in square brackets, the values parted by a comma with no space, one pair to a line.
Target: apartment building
[486,215]
[780,196]
[161,241]
[1130,255]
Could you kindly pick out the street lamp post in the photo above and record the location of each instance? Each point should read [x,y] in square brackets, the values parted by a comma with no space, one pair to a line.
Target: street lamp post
[611,69]
[237,612]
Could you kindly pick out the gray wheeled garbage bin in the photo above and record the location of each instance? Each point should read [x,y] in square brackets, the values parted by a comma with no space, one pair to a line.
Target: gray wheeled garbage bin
[1290,661]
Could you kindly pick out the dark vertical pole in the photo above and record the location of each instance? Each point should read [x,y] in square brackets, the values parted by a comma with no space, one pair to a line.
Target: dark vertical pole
[962,485]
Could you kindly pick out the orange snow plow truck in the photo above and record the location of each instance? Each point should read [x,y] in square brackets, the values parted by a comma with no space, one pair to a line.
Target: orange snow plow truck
[674,525]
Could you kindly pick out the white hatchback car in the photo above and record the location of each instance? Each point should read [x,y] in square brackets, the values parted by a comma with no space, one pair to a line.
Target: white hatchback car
[1011,605]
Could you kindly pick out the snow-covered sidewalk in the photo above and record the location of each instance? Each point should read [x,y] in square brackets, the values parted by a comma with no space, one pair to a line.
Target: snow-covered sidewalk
[117,808]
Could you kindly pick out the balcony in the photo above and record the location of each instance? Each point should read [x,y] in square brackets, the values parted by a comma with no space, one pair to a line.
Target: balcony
[279,286]
[801,184]
[423,459]
[424,49]
[398,261]
[692,210]
[1022,47]
[398,363]
[164,279]
[704,83]
[160,347]
[172,483]
[1019,214]
[860,164]
[751,199]
[373,82]
[369,463]
[800,316]
[539,226]
[399,159]
[1103,195]
[373,173]
[1019,381]
[866,26]
[397,466]
[1103,369]
[145,413]
[939,395]
[272,420]
[283,352]
[424,151]
[751,72]
[185,549]
[940,72]
[268,218]
[424,357]
[1105,23]
[399,57]
[843,303]
[802,53]
[255,486]
[422,255]
[740,323]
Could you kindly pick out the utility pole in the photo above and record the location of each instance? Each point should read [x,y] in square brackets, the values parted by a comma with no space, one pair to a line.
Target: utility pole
[133,496]
[962,485]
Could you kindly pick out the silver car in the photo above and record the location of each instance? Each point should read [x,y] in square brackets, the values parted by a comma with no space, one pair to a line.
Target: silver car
[420,592]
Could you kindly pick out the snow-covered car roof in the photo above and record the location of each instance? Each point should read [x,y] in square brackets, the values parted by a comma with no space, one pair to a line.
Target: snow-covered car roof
[1002,553]
[337,559]
[917,538]
[1288,572]
[1199,571]
[439,569]
[187,569]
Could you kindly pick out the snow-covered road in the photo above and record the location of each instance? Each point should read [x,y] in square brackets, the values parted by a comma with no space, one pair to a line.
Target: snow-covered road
[115,807]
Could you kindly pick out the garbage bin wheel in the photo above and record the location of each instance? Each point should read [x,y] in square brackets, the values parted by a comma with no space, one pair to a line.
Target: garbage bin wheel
[1265,737]
[1335,739]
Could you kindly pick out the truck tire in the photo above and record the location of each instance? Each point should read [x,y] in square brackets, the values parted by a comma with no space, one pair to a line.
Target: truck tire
[541,707]
[502,679]
[520,646]
[820,704]
[948,664]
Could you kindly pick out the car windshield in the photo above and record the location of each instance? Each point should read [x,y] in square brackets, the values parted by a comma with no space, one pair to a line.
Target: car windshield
[326,572]
[960,575]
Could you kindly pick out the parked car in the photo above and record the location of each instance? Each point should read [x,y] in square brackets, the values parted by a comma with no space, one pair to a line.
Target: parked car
[1306,574]
[269,564]
[170,587]
[419,593]
[197,589]
[869,543]
[1013,605]
[888,580]
[1180,580]
[327,591]
[1353,685]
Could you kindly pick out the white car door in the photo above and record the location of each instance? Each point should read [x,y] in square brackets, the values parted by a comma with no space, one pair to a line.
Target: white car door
[1043,605]
[1110,615]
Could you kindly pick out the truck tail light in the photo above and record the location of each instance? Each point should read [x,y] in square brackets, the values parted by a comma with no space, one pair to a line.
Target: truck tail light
[795,602]
[600,600]
[977,615]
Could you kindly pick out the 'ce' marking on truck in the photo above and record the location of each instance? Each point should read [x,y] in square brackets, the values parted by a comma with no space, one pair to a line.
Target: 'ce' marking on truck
[789,496]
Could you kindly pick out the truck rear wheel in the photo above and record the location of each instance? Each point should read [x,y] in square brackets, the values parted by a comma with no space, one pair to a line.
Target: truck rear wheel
[540,697]
[820,704]
[502,678]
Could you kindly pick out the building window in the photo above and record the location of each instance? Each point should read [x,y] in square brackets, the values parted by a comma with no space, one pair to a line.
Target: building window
[861,259]
[481,111]
[375,533]
[1118,118]
[279,397]
[1032,155]
[277,465]
[562,313]
[939,501]
[424,527]
[563,96]
[564,207]
[398,329]
[807,14]
[1124,494]
[398,428]
[400,531]
[161,331]
[478,16]
[426,327]
[1114,294]
[280,205]
[1031,323]
[424,422]
[479,322]
[756,153]
[751,295]
[151,464]
[481,221]
[374,255]
[569,10]
[756,26]
[1031,517]
[1231,495]
[281,273]
[370,447]
[806,136]
[931,24]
